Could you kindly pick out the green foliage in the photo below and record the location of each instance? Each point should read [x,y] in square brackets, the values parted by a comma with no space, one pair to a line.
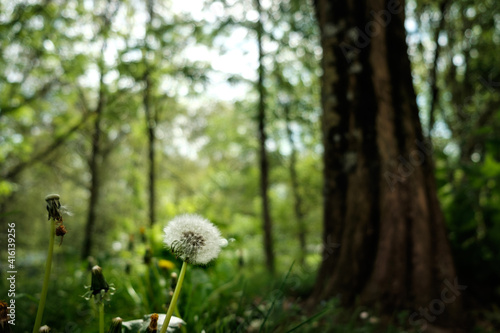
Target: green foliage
[53,56]
[466,131]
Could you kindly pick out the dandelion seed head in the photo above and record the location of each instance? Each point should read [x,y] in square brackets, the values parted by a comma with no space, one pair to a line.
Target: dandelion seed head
[194,239]
[53,207]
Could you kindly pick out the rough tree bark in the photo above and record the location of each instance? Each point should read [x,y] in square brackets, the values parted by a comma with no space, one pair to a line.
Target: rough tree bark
[384,232]
[263,162]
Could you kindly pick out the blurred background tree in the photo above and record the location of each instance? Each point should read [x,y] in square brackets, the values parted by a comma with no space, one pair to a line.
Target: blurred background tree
[384,232]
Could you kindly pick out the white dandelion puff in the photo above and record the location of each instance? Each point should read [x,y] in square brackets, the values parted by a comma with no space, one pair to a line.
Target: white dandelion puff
[194,239]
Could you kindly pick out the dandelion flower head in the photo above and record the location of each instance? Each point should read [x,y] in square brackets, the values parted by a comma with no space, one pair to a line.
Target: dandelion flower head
[194,239]
[165,264]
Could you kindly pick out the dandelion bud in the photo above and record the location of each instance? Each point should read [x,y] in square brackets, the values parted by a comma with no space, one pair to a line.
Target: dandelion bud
[44,329]
[153,324]
[173,281]
[99,288]
[148,255]
[98,281]
[116,325]
[131,242]
[142,231]
[241,261]
[193,239]
[128,268]
[53,206]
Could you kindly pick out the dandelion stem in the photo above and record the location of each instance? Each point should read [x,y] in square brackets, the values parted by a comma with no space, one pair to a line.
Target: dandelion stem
[101,317]
[45,286]
[177,291]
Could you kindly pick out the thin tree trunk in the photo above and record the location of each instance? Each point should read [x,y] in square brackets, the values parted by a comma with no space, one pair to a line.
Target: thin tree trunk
[151,124]
[95,161]
[297,198]
[385,242]
[433,71]
[151,120]
[263,162]
[94,164]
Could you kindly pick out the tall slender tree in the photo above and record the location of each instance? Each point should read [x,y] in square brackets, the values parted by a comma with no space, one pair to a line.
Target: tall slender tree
[384,232]
[95,158]
[94,165]
[294,180]
[151,116]
[434,69]
[263,160]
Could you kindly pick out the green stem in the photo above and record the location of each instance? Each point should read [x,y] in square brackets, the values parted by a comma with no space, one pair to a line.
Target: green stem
[101,317]
[177,291]
[46,277]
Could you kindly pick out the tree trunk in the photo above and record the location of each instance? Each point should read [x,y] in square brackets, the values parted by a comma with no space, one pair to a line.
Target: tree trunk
[384,232]
[263,163]
[151,124]
[433,71]
[297,198]
[151,120]
[94,165]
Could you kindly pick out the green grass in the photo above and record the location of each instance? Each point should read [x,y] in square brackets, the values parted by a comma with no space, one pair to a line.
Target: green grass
[223,297]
